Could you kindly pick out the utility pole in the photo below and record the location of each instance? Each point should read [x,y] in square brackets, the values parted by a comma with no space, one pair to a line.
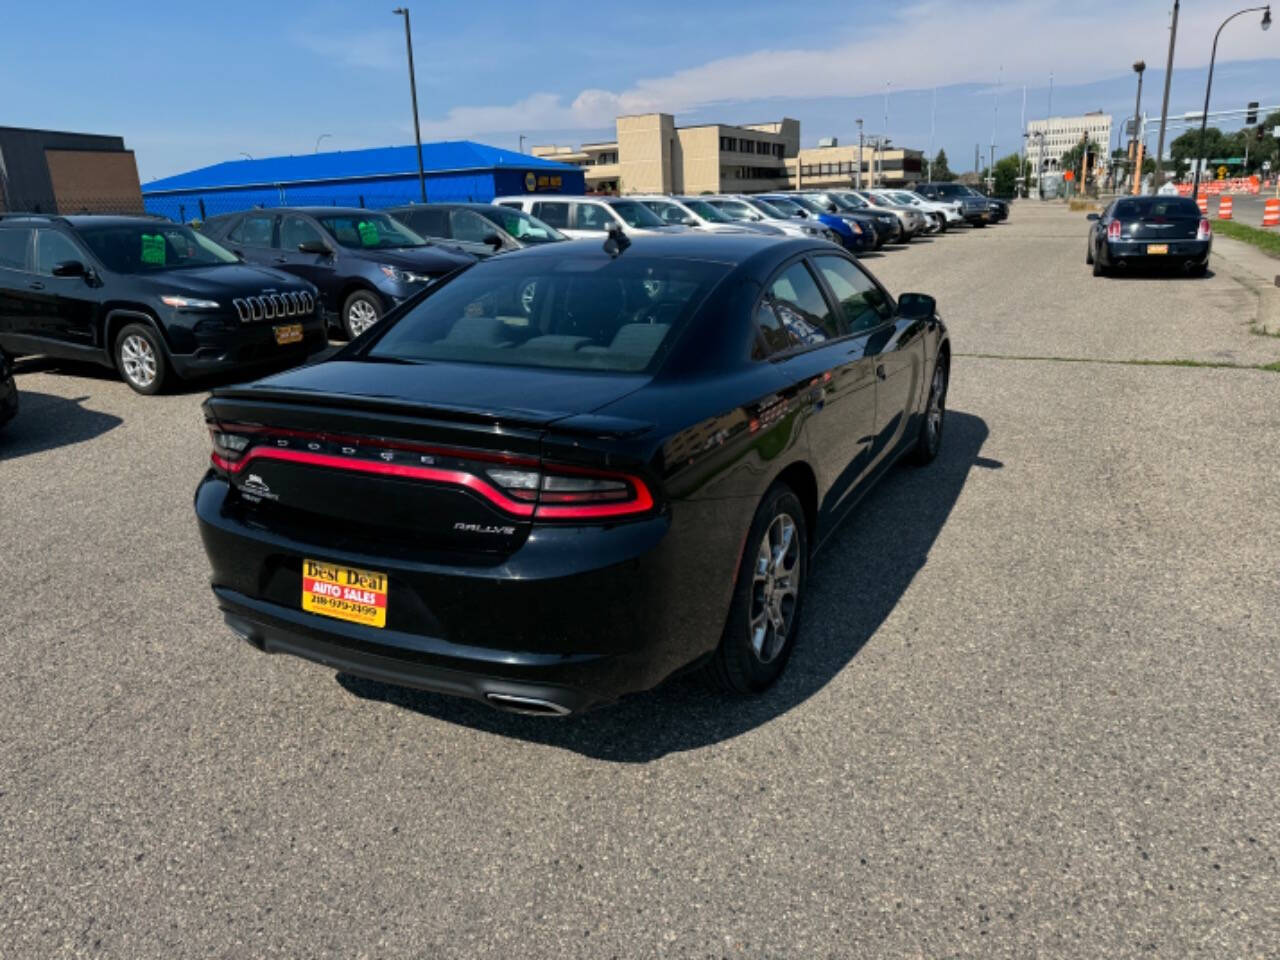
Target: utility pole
[413,93]
[522,139]
[1164,107]
[933,121]
[1022,143]
[860,142]
[977,162]
[1134,160]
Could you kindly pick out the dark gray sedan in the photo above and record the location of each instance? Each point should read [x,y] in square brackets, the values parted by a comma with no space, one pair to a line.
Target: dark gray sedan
[480,229]
[1149,231]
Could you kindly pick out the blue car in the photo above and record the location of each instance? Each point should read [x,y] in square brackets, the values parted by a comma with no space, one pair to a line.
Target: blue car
[854,233]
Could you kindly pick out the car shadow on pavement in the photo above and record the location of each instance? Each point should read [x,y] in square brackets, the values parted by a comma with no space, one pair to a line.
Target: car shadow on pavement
[880,547]
[46,422]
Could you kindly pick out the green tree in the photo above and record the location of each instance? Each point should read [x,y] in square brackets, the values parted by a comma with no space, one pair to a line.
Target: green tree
[1006,175]
[941,171]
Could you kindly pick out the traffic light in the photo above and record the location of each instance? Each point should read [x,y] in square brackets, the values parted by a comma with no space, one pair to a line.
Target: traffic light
[1252,117]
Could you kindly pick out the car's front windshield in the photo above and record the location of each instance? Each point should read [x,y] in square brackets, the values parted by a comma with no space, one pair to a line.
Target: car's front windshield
[737,210]
[522,226]
[585,312]
[770,210]
[636,214]
[151,247]
[839,202]
[369,231]
[786,206]
[706,211]
[853,201]
[906,198]
[808,204]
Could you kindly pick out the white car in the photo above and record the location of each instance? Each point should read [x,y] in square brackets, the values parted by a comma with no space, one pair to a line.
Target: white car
[950,212]
[586,217]
[914,221]
[749,209]
[676,211]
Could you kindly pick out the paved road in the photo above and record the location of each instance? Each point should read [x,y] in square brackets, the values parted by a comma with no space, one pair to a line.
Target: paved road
[1245,208]
[1033,712]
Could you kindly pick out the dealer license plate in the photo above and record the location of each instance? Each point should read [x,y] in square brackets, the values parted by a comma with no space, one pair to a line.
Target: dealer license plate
[345,593]
[1157,248]
[289,333]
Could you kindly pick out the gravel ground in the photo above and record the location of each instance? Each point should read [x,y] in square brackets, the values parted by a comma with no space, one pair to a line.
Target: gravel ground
[1033,712]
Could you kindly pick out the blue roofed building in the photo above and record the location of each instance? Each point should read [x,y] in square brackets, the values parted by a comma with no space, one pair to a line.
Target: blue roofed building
[455,170]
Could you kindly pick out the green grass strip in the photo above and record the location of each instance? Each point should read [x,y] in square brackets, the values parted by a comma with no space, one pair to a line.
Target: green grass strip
[1265,240]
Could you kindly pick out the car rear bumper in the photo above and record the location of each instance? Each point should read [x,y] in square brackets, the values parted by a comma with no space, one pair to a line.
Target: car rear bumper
[1192,251]
[575,617]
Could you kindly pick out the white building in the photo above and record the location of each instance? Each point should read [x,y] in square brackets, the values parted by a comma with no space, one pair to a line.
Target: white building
[1063,133]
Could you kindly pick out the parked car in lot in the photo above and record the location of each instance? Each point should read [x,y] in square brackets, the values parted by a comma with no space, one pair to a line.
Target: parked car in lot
[547,503]
[887,225]
[8,390]
[478,229]
[942,215]
[751,209]
[1149,230]
[913,221]
[670,210]
[587,217]
[706,214]
[849,232]
[362,261]
[152,299]
[973,206]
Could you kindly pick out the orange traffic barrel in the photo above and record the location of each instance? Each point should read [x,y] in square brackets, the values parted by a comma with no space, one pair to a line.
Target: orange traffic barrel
[1203,203]
[1224,207]
[1271,213]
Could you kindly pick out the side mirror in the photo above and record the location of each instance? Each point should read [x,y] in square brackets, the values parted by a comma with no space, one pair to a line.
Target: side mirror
[69,268]
[832,208]
[314,246]
[917,306]
[1092,216]
[493,240]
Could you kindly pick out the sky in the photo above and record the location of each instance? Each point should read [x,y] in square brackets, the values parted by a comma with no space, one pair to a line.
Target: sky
[188,86]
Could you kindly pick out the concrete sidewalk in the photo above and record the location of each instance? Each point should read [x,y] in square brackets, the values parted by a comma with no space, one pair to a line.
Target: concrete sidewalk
[1259,272]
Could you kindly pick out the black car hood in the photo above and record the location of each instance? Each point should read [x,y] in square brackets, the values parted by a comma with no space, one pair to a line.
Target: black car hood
[431,260]
[530,395]
[223,280]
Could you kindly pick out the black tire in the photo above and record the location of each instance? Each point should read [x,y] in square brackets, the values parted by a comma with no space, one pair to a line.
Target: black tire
[1098,269]
[1088,253]
[360,311]
[748,662]
[929,439]
[140,358]
[1198,269]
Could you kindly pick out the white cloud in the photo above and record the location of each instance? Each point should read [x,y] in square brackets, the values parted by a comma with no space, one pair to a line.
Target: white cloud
[926,43]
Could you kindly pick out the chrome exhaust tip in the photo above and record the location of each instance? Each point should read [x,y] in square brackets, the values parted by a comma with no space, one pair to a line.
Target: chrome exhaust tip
[532,706]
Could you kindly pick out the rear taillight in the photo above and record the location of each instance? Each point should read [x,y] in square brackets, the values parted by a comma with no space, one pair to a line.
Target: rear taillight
[1205,231]
[1113,230]
[519,486]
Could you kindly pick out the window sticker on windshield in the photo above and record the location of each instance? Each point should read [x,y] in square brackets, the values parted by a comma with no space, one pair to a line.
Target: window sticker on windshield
[153,248]
[368,233]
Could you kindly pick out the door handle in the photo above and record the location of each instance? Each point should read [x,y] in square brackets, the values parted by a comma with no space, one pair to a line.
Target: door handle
[36,285]
[880,371]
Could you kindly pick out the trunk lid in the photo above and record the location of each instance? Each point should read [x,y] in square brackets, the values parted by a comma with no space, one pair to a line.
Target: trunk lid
[1157,228]
[358,454]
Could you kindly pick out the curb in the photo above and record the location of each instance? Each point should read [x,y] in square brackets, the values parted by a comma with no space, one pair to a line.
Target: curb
[1267,319]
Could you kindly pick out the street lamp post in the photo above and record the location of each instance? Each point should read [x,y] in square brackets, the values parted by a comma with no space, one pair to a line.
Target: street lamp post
[1208,86]
[860,142]
[413,94]
[1135,155]
[318,139]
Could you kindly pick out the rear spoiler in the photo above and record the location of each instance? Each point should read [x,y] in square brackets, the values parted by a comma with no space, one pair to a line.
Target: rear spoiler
[246,403]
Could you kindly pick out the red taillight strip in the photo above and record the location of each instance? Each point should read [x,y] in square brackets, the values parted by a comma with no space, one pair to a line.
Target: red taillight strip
[456,478]
[641,503]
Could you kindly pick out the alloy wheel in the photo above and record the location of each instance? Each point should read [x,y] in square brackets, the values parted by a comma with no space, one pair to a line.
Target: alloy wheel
[933,415]
[360,317]
[138,359]
[775,588]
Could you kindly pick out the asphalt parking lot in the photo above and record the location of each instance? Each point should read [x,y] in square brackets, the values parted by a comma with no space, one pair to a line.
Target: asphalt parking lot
[1033,710]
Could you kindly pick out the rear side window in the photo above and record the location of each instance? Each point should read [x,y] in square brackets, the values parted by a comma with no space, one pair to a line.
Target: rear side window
[469,226]
[555,214]
[1178,208]
[793,312]
[295,230]
[13,247]
[862,304]
[254,230]
[428,222]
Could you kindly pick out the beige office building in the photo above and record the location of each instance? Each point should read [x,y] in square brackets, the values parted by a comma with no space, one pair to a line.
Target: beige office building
[1063,133]
[832,167]
[653,155]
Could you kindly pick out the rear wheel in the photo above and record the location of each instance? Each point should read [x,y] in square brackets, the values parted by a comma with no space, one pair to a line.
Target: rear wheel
[1088,253]
[1098,269]
[765,612]
[1198,269]
[360,312]
[140,358]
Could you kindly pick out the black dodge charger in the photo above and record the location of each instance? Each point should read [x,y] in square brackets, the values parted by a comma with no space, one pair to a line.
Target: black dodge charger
[562,475]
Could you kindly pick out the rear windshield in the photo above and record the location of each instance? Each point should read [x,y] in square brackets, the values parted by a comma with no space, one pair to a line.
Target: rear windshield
[1178,208]
[587,314]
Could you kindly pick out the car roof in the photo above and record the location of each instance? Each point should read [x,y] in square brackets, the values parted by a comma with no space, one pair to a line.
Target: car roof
[736,248]
[449,205]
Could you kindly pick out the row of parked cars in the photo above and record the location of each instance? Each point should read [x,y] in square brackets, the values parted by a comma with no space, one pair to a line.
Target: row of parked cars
[156,300]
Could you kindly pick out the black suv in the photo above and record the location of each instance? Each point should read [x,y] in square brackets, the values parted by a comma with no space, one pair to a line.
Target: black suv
[480,229]
[364,262]
[148,297]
